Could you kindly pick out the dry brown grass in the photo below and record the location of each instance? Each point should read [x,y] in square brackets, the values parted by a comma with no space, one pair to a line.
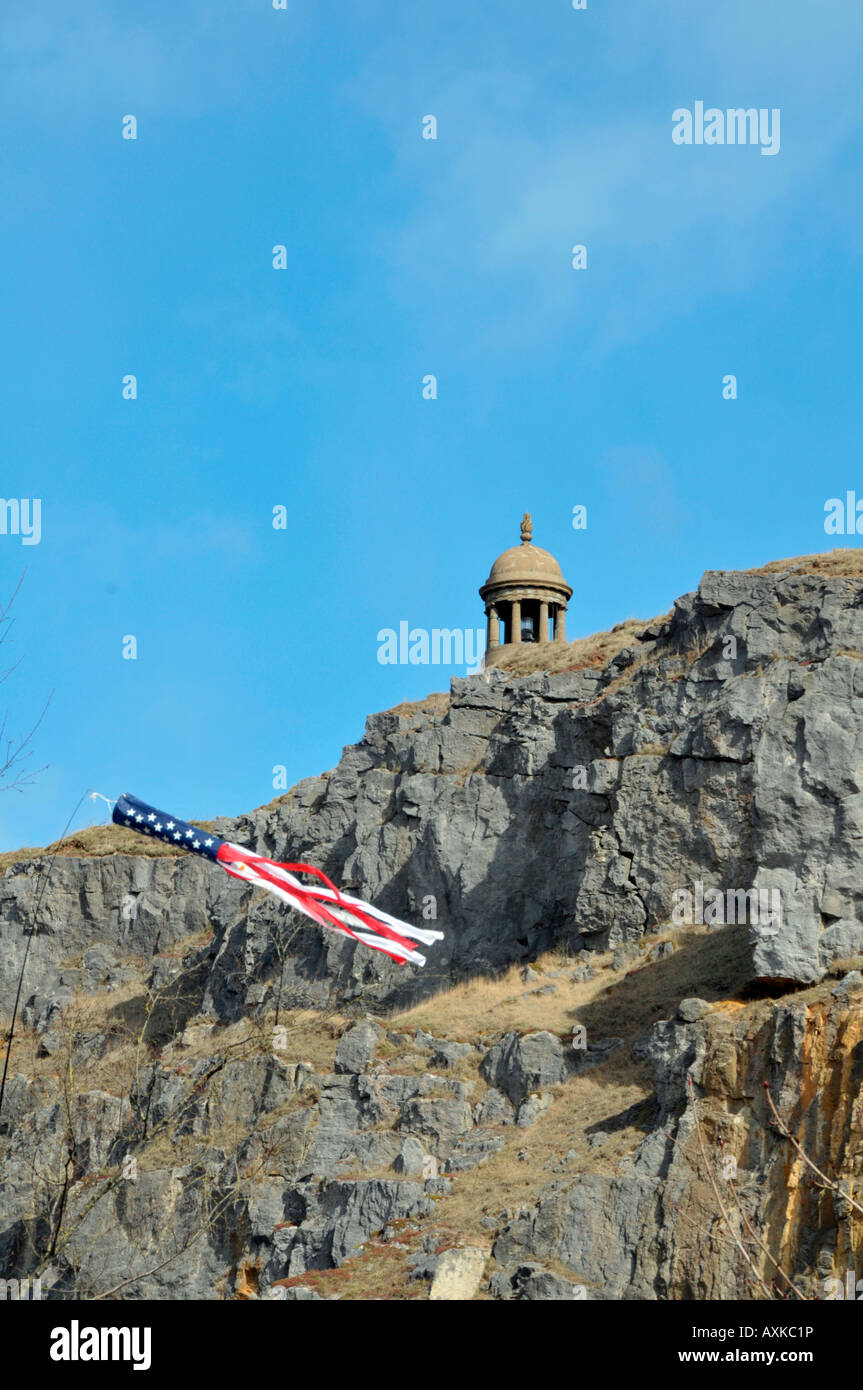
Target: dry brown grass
[615,1097]
[311,1036]
[87,1016]
[593,652]
[97,840]
[597,650]
[840,563]
[379,1273]
[437,702]
[464,1012]
[842,965]
[710,964]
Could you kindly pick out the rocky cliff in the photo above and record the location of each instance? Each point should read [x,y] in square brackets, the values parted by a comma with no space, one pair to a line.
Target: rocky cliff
[646,867]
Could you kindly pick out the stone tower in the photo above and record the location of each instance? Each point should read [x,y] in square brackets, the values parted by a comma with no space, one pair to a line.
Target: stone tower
[525,595]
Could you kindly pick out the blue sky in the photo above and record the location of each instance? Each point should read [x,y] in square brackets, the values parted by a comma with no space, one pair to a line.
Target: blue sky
[302,387]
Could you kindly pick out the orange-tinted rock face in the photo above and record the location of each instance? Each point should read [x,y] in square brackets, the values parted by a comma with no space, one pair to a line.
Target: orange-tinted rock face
[716,1203]
[810,1052]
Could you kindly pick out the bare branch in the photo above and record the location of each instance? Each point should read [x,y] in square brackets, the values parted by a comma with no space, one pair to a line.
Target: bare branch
[824,1181]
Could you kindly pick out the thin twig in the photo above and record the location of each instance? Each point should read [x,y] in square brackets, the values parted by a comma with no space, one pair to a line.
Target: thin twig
[801,1152]
[755,1236]
[718,1195]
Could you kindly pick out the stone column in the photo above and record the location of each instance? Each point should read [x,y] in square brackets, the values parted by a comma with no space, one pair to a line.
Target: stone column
[560,624]
[543,622]
[493,632]
[515,635]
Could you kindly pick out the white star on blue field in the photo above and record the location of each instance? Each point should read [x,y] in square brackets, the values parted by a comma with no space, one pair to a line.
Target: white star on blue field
[132,812]
[301,388]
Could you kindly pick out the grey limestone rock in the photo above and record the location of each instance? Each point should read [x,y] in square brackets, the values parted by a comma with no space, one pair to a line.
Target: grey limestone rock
[520,1064]
[840,941]
[691,1010]
[357,1046]
[410,1158]
[468,803]
[494,1109]
[532,1107]
[850,982]
[535,1284]
[708,765]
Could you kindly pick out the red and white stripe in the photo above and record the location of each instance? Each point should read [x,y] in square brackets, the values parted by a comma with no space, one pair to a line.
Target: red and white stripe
[327,906]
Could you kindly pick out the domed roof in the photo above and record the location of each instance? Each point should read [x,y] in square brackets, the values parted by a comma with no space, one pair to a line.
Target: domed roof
[526,564]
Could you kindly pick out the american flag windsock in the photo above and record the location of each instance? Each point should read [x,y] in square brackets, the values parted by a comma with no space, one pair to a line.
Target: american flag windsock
[321,901]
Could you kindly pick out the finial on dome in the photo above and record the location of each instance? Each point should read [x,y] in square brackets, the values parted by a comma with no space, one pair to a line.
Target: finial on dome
[526,528]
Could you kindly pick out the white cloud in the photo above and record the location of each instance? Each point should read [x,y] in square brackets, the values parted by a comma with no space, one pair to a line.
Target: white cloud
[521,172]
